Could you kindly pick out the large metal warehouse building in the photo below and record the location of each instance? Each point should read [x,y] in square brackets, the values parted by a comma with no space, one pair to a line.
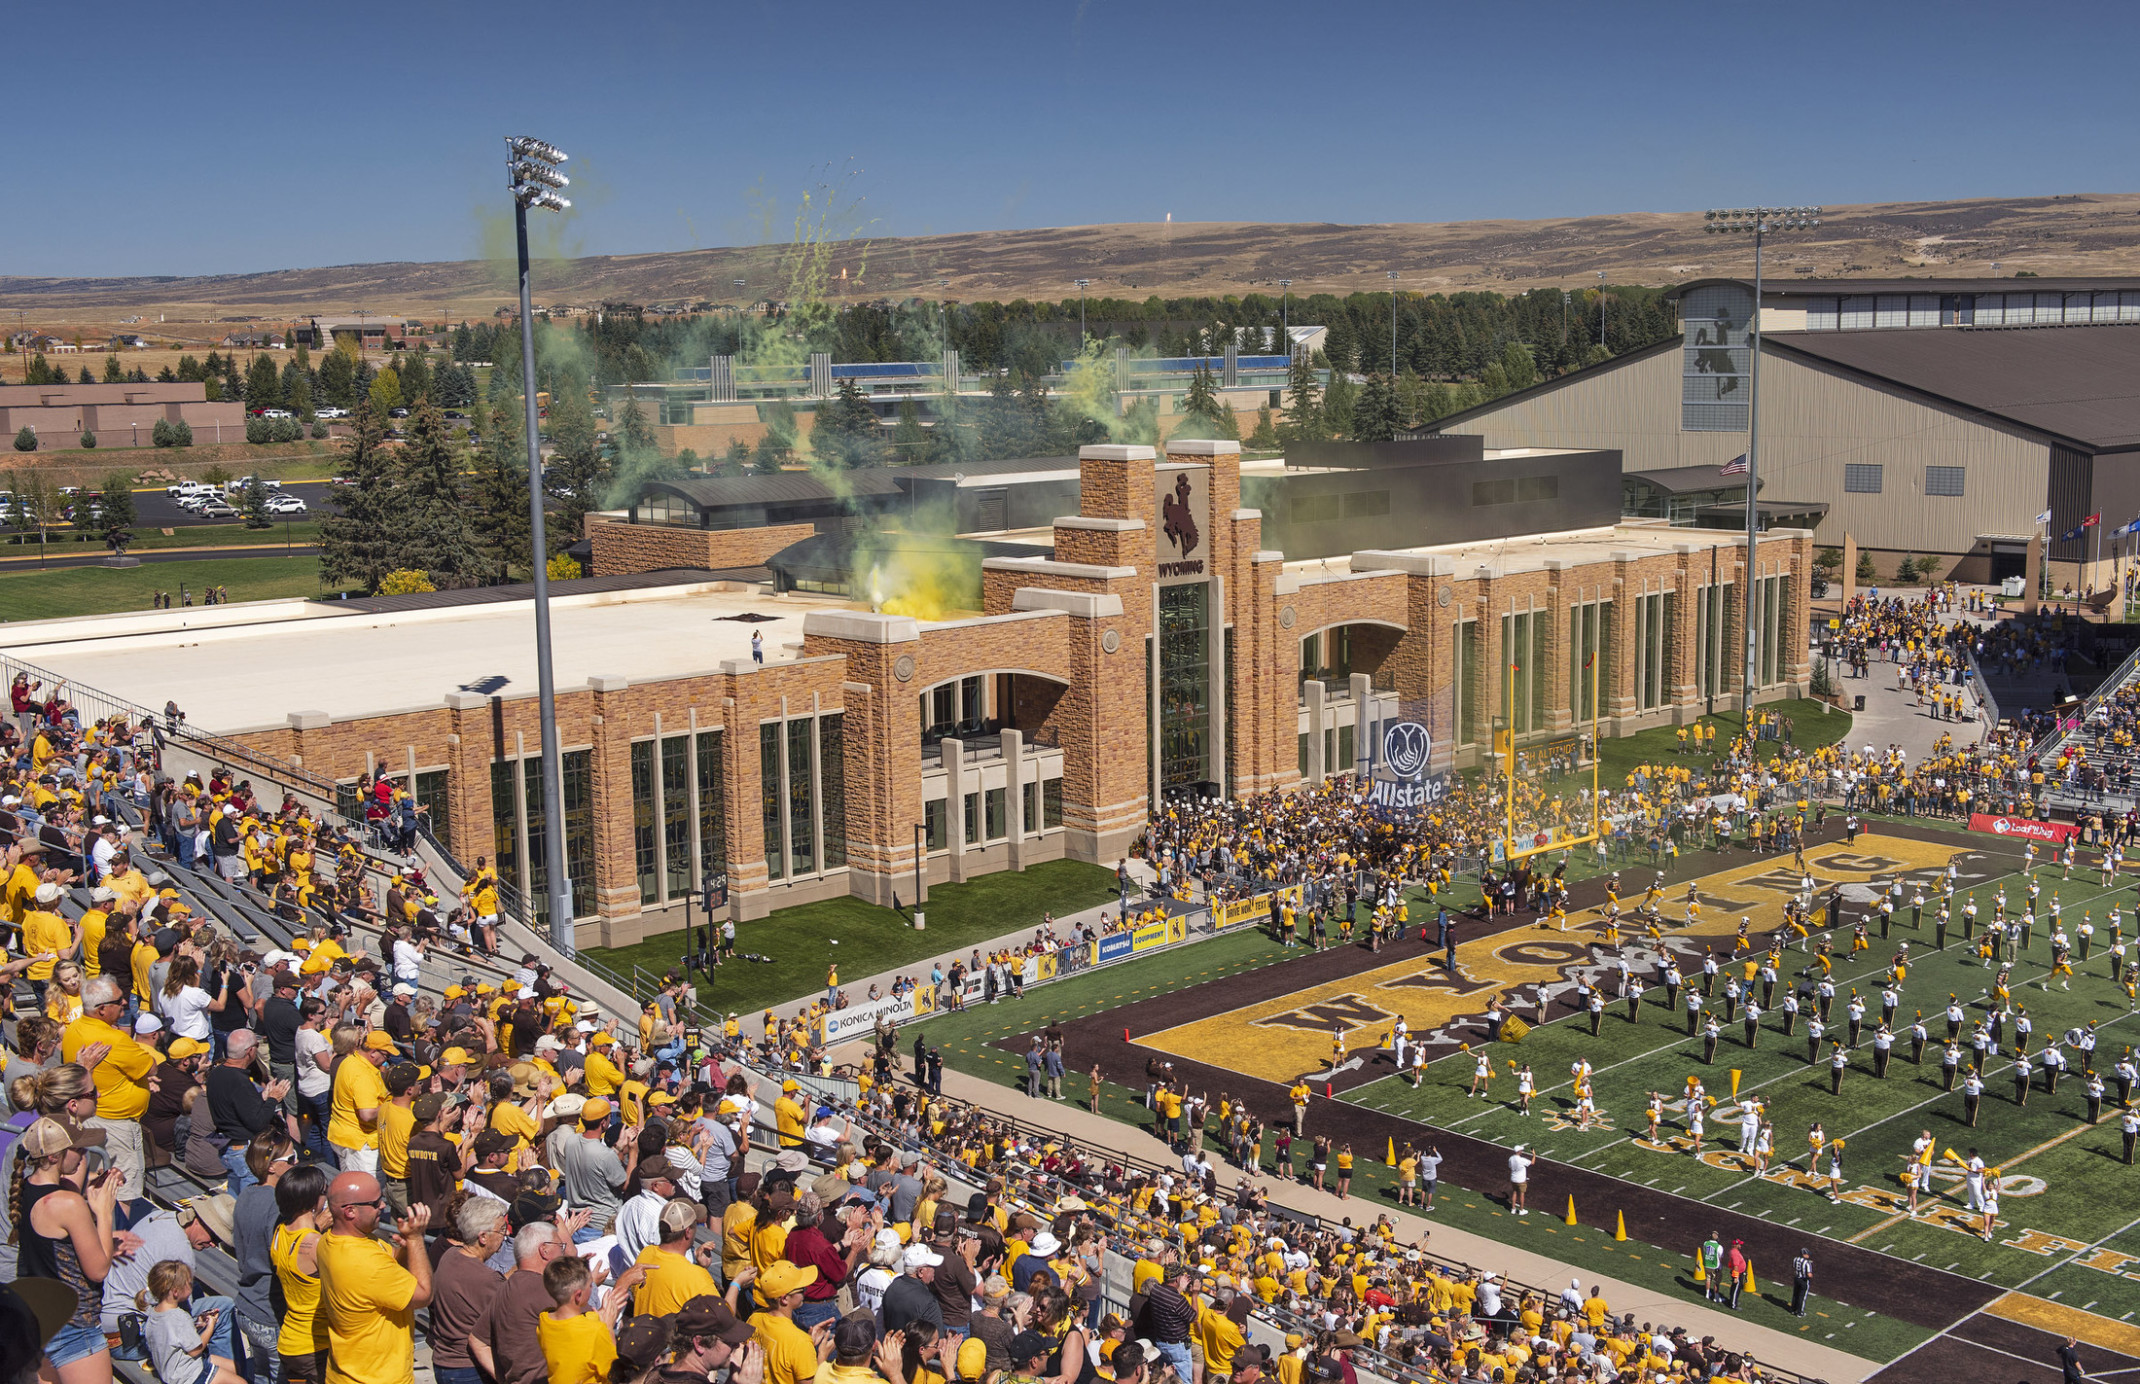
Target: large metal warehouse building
[1929,417]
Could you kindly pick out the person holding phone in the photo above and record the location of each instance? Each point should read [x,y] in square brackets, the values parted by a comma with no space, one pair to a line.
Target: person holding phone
[64,1205]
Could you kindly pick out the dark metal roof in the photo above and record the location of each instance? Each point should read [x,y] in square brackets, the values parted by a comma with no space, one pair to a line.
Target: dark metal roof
[1830,288]
[2075,384]
[525,591]
[787,488]
[1002,466]
[1678,480]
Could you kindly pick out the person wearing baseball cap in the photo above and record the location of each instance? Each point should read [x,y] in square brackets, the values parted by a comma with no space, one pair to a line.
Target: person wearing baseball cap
[675,1274]
[706,1335]
[790,1354]
[63,1215]
[358,1095]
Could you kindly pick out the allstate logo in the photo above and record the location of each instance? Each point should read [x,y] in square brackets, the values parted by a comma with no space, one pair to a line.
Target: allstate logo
[1405,748]
[2002,826]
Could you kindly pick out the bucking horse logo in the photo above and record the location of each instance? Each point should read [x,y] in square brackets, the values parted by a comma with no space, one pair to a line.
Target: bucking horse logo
[1180,527]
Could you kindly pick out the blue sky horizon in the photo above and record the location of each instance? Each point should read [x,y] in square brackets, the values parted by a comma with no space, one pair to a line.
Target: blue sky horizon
[312,137]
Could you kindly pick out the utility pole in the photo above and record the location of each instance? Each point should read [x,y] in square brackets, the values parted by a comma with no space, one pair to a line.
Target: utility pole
[1285,315]
[1081,286]
[1393,323]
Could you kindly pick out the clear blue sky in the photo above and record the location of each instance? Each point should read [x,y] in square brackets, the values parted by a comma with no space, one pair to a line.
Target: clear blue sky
[212,138]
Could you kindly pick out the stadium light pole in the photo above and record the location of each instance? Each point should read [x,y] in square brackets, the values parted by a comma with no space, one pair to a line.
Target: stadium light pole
[1760,223]
[531,173]
[1285,314]
[1393,323]
[1082,284]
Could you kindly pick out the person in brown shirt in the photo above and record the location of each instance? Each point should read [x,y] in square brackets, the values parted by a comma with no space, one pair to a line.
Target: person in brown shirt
[956,1282]
[508,1323]
[462,1288]
[435,1162]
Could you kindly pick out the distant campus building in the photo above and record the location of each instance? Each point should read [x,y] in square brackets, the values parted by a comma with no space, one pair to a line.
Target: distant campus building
[121,415]
[1923,417]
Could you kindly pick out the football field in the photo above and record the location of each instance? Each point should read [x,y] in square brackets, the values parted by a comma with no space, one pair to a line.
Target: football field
[2069,1221]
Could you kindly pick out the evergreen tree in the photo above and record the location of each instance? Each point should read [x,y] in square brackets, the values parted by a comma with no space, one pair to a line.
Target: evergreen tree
[263,384]
[413,377]
[37,371]
[115,510]
[1375,417]
[1303,403]
[1265,437]
[433,533]
[737,461]
[498,499]
[633,431]
[1203,397]
[336,373]
[356,543]
[297,390]
[254,506]
[578,469]
[1338,402]
[86,377]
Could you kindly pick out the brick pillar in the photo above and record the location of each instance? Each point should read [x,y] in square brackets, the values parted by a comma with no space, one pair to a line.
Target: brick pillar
[1016,771]
[616,875]
[301,722]
[1620,705]
[881,738]
[1553,657]
[954,752]
[1317,721]
[468,776]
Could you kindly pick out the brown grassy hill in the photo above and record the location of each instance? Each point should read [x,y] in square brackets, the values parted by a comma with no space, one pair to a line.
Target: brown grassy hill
[2082,234]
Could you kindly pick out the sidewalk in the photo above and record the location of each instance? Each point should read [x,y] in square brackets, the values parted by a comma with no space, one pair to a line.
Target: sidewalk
[1769,1346]
[858,989]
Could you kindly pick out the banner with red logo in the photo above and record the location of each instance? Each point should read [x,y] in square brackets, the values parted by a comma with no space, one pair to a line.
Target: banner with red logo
[2023,828]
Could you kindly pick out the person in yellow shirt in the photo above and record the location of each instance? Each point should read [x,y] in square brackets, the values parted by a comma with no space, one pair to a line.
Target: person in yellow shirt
[769,1233]
[139,961]
[370,1289]
[603,1075]
[121,1075]
[1221,1334]
[359,1094]
[790,1116]
[96,920]
[47,938]
[520,1082]
[675,1274]
[738,1224]
[578,1342]
[127,884]
[23,879]
[791,1357]
[397,1123]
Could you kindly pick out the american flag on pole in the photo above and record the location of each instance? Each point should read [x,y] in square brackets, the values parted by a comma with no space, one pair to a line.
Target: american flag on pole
[1735,467]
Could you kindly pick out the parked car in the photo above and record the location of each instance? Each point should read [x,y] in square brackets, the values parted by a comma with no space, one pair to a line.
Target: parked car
[245,483]
[285,504]
[217,509]
[330,411]
[340,480]
[276,413]
[397,413]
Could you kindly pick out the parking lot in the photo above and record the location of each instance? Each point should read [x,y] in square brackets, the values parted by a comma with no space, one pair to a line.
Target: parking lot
[154,509]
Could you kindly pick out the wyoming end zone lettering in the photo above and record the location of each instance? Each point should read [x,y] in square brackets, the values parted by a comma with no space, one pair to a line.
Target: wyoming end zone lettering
[1279,1037]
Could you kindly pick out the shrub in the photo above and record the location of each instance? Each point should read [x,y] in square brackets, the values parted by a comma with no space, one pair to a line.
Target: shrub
[319,429]
[1866,571]
[563,568]
[1830,558]
[405,581]
[218,474]
[26,440]
[89,441]
[169,434]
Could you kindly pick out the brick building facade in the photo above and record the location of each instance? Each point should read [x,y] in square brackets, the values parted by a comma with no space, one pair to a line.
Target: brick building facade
[1160,649]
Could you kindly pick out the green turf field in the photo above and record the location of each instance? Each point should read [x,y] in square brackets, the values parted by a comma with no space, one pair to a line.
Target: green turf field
[2067,1196]
[968,1037]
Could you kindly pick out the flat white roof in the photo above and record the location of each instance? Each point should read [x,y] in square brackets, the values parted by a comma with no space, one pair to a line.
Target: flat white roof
[242,676]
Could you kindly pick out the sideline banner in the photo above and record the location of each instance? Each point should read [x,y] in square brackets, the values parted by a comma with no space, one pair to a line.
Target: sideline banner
[2023,828]
[1251,910]
[843,1024]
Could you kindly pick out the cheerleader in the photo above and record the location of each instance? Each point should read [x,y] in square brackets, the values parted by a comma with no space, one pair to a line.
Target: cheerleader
[1586,1108]
[1656,1115]
[1764,1145]
[1835,1171]
[1695,1127]
[1482,1073]
[1526,1087]
[1816,1140]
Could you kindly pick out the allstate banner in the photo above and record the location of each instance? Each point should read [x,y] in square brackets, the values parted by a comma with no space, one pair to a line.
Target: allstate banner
[2022,828]
[1400,779]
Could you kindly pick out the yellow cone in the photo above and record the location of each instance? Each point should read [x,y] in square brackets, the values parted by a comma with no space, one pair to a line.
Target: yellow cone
[1393,1153]
[1701,1275]
[1619,1231]
[1734,1082]
[1750,1276]
[1571,1210]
